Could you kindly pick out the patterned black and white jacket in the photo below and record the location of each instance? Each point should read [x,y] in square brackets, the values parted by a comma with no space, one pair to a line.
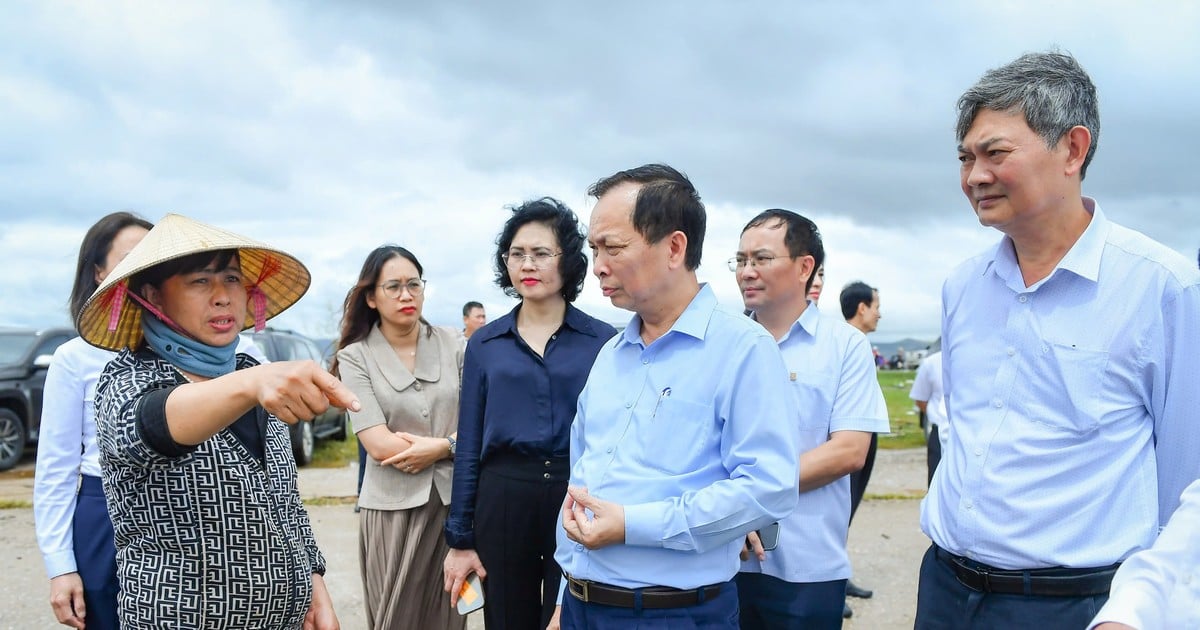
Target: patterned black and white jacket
[208,539]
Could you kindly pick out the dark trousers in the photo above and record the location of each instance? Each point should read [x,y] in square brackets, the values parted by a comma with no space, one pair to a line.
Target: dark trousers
[769,603]
[718,613]
[858,480]
[362,467]
[95,555]
[943,603]
[517,511]
[933,452]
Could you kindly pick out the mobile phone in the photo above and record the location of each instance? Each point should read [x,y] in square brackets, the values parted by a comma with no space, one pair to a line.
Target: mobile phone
[470,596]
[769,536]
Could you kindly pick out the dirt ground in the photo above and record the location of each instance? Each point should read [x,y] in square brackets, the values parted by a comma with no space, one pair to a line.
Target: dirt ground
[886,545]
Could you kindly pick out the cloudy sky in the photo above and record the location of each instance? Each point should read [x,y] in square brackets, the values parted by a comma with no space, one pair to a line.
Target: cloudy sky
[330,128]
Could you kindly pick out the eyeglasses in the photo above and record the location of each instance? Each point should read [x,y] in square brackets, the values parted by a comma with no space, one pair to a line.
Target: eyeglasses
[541,258]
[395,288]
[758,261]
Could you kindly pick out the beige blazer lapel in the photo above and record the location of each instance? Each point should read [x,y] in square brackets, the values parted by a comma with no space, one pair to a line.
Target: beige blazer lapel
[428,365]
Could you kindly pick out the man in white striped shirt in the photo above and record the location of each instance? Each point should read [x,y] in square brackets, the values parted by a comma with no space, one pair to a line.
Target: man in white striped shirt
[1067,353]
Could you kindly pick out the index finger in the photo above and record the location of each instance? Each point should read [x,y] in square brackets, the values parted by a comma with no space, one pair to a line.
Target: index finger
[338,394]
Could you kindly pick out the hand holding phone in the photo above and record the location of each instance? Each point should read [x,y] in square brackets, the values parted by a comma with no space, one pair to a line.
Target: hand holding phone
[470,597]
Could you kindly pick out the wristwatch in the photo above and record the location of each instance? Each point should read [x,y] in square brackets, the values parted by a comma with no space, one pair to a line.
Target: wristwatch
[453,445]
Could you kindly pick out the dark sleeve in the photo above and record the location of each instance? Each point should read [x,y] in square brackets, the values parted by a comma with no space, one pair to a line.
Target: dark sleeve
[460,524]
[152,424]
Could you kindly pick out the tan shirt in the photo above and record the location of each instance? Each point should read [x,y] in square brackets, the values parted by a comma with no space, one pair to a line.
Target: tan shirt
[421,403]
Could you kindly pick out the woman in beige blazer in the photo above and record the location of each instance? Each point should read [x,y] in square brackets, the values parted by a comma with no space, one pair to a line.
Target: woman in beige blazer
[406,374]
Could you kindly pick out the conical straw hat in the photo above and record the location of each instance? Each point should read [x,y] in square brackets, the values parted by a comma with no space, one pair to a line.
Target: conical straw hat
[112,320]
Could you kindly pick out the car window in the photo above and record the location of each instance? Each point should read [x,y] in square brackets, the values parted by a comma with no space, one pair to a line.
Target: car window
[50,344]
[13,346]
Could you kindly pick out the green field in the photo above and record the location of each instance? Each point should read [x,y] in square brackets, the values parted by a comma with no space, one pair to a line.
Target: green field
[335,453]
[906,425]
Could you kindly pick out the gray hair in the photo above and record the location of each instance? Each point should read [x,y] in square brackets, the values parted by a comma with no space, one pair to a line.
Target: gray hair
[1051,89]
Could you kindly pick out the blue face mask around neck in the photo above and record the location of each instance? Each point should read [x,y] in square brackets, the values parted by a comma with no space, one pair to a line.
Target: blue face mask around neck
[188,354]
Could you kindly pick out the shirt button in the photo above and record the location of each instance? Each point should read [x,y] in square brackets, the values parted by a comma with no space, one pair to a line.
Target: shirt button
[628,405]
[978,452]
[417,387]
[610,449]
[425,413]
[578,547]
[998,403]
[645,361]
[968,505]
[547,463]
[1022,299]
[547,475]
[1011,351]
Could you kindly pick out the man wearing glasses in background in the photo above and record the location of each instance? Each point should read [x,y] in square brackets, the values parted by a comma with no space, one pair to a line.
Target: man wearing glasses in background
[838,408]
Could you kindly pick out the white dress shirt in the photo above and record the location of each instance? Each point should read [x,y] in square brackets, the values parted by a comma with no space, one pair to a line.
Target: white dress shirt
[1160,587]
[927,388]
[1073,402]
[831,373]
[66,448]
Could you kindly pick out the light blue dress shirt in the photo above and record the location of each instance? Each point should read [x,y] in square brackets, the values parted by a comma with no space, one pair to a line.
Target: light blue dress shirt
[831,373]
[692,435]
[1074,402]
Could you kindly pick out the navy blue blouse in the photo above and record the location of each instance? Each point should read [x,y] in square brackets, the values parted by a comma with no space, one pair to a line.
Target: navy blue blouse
[515,402]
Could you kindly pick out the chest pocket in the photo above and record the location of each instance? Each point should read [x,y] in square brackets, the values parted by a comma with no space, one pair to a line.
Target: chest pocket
[679,436]
[1079,375]
[811,391]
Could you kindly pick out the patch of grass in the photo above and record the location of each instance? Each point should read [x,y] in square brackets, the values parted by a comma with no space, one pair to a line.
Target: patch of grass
[14,504]
[331,501]
[892,496]
[332,453]
[906,423]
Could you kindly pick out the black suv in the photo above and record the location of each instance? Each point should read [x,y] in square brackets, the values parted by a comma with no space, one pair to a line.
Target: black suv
[284,345]
[25,355]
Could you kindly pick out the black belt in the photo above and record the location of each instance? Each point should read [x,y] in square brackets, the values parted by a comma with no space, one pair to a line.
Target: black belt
[1053,582]
[651,596]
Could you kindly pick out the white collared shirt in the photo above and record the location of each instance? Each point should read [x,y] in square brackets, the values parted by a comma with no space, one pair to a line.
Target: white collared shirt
[1160,587]
[1074,402]
[831,372]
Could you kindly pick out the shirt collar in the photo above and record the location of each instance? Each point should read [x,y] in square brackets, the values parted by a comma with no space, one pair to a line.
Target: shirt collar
[506,324]
[808,322]
[693,321]
[1083,259]
[428,366]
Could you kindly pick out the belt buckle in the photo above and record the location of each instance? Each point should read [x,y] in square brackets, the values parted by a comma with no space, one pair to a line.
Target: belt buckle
[987,585]
[579,588]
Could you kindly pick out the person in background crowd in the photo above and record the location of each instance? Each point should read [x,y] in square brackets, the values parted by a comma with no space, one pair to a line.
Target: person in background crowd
[860,308]
[521,382]
[198,469]
[474,318]
[818,283]
[1067,364]
[677,450]
[927,394]
[838,406]
[74,531]
[406,373]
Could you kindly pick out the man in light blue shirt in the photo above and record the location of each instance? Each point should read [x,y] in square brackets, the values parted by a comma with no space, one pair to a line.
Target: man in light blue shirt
[681,444]
[1067,356]
[838,407]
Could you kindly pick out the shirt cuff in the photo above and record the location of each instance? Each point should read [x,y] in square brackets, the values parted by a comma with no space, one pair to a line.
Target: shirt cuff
[459,537]
[644,524]
[60,563]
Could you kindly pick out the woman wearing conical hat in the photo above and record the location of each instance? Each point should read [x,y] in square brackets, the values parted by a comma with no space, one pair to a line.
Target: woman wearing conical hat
[197,467]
